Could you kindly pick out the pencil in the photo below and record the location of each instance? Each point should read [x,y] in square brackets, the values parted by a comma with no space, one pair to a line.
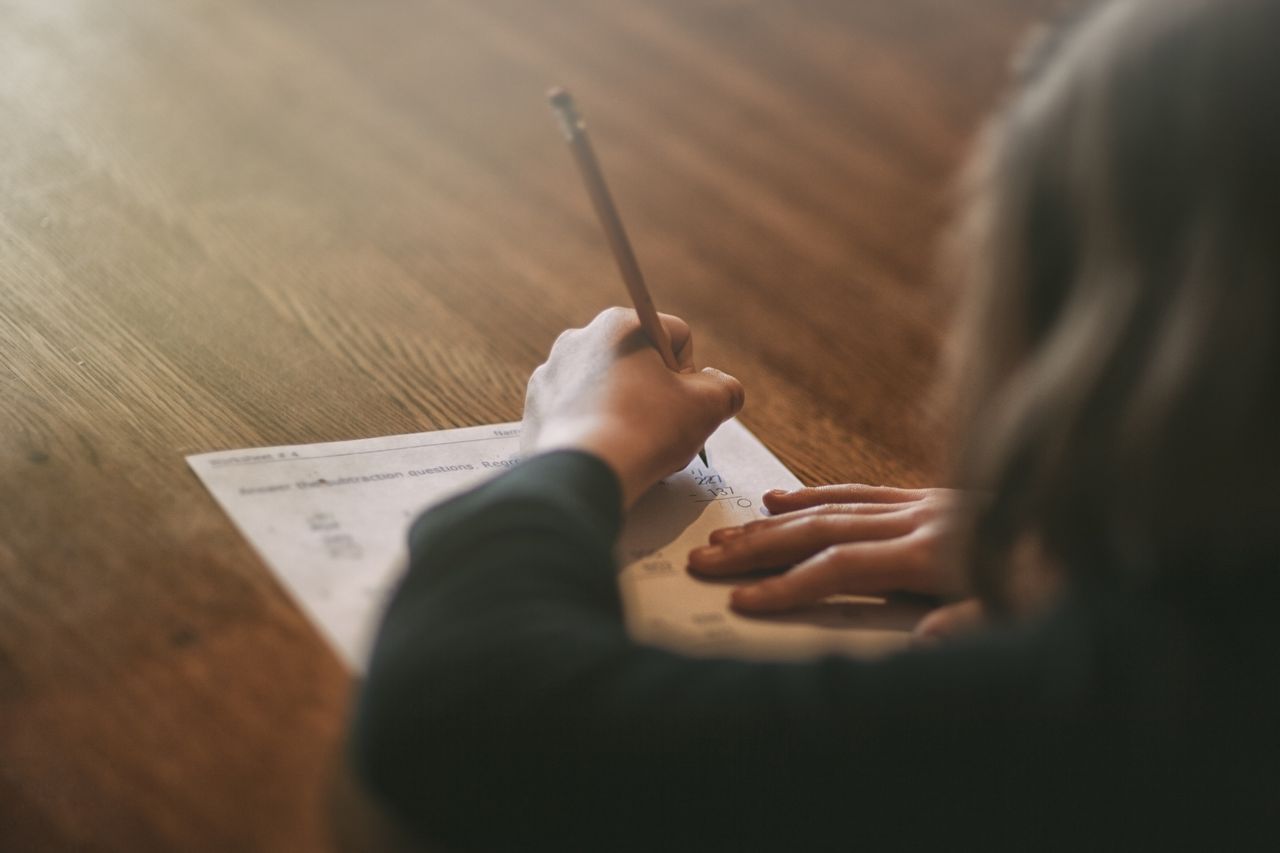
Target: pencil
[575,133]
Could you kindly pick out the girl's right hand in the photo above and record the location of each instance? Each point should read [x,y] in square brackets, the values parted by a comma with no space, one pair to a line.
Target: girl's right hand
[848,539]
[605,390]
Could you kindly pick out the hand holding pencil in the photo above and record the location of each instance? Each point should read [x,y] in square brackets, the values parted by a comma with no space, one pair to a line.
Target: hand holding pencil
[575,133]
[602,391]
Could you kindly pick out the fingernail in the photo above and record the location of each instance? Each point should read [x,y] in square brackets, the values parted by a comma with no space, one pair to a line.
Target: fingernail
[728,533]
[747,596]
[776,492]
[707,552]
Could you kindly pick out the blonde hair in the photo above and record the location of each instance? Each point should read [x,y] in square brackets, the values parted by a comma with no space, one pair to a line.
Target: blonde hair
[1119,352]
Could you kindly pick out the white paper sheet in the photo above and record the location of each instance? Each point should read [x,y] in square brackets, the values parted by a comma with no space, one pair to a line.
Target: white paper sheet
[330,520]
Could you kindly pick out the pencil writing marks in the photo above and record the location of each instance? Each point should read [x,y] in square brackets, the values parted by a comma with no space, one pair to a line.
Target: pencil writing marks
[709,486]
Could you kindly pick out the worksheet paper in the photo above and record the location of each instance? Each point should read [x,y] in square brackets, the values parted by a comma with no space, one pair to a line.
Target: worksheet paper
[331,521]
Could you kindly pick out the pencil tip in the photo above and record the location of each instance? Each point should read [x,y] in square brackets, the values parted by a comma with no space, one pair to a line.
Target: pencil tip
[559,96]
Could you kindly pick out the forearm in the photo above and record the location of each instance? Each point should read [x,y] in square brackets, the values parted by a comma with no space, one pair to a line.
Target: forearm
[510,588]
[505,705]
[506,708]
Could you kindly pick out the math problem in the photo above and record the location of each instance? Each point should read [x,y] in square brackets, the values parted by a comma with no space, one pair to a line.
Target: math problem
[331,521]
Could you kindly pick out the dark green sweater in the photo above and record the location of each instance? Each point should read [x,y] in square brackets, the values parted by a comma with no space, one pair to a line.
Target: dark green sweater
[505,708]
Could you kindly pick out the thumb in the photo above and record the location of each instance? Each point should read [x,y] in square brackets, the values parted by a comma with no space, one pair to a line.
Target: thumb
[724,392]
[948,621]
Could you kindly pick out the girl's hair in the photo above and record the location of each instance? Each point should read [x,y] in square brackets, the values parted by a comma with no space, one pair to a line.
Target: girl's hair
[1119,363]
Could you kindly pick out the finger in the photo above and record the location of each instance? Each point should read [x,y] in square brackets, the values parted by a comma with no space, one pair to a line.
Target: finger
[723,392]
[829,509]
[780,500]
[864,568]
[681,339]
[950,621]
[725,533]
[798,539]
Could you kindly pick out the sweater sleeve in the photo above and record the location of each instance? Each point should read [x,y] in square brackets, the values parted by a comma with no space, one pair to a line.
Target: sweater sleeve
[506,708]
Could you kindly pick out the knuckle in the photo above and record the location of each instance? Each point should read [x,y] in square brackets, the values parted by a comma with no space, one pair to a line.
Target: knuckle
[616,315]
[845,559]
[814,525]
[919,551]
[829,525]
[919,514]
[830,556]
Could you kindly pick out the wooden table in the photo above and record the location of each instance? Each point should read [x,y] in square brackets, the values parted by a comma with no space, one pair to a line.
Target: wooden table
[229,224]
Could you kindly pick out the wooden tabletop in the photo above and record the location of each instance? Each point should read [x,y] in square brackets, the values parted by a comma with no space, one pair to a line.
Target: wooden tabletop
[231,224]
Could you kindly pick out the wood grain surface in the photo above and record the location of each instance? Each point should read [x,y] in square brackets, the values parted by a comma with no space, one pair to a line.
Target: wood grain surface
[226,224]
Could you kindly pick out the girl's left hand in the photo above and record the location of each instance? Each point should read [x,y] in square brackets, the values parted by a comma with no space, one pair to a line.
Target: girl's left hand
[850,539]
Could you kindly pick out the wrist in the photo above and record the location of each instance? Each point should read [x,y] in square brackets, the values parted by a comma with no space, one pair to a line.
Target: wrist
[625,458]
[634,480]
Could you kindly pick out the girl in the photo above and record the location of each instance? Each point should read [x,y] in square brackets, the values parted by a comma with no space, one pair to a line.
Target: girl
[1119,381]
